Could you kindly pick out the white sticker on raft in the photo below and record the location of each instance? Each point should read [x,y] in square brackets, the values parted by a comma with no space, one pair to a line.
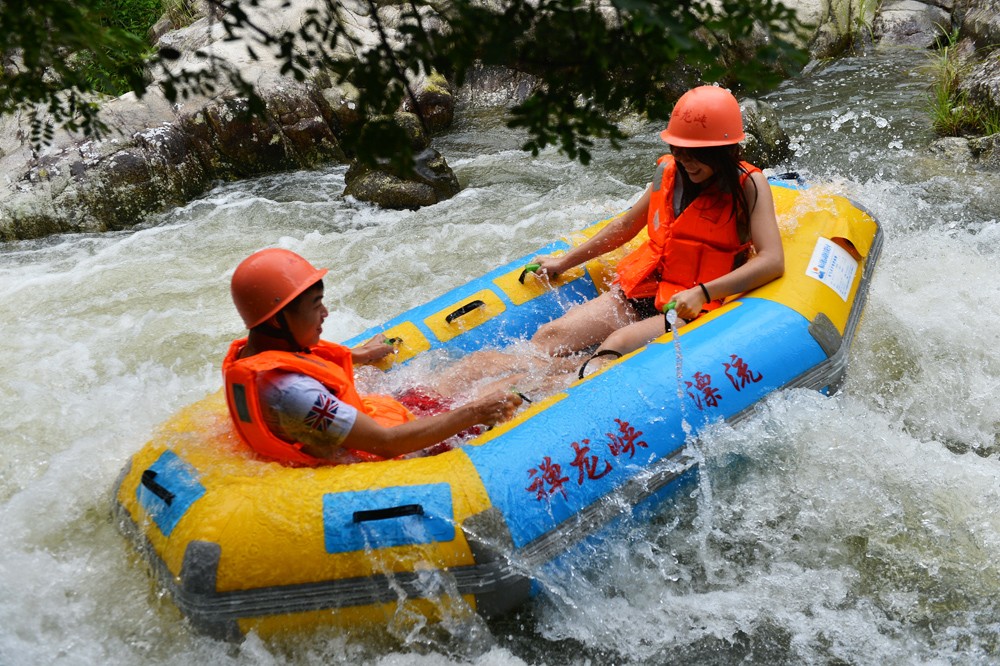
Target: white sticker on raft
[833,266]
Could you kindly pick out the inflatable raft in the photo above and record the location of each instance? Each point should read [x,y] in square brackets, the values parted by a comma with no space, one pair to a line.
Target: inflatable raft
[242,544]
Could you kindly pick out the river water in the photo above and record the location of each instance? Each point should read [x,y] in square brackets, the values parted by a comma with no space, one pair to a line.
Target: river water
[854,529]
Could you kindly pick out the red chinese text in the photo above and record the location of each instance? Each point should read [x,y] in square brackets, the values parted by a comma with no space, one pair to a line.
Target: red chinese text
[587,465]
[740,374]
[624,441]
[546,479]
[702,391]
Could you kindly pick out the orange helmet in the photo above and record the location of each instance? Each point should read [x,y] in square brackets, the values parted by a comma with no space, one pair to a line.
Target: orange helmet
[268,280]
[705,116]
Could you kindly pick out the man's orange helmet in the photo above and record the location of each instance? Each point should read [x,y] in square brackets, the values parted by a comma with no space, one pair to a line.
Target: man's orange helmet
[268,280]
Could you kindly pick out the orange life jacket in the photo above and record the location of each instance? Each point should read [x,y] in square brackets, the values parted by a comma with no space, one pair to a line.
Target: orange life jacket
[698,245]
[329,364]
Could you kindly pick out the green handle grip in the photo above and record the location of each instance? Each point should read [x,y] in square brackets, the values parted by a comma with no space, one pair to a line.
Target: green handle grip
[530,268]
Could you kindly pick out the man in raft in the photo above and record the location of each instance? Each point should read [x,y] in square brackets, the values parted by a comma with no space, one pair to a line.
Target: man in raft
[292,396]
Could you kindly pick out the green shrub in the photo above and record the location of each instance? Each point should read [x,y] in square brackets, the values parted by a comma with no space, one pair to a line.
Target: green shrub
[106,71]
[951,111]
[135,16]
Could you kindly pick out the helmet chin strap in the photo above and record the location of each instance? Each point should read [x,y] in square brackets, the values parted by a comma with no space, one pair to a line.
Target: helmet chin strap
[280,332]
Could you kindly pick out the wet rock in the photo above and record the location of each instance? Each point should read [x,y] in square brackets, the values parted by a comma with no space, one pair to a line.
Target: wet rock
[176,169]
[432,181]
[981,22]
[951,149]
[414,129]
[766,144]
[388,191]
[986,150]
[911,23]
[435,103]
[121,192]
[162,154]
[338,104]
[495,87]
[982,83]
[305,128]
[838,25]
[115,182]
[249,145]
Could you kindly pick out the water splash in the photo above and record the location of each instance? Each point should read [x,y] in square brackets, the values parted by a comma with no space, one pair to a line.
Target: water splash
[848,529]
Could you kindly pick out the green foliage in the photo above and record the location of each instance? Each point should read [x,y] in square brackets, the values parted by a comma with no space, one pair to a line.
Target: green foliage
[57,53]
[594,63]
[952,112]
[865,17]
[134,17]
[179,12]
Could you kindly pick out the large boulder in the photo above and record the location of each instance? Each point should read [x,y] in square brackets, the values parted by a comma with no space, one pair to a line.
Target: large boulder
[160,155]
[981,22]
[434,182]
[430,181]
[157,160]
[435,103]
[911,23]
[982,84]
[838,25]
[495,87]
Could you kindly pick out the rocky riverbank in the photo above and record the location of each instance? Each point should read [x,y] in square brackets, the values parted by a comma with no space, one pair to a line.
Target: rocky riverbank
[161,155]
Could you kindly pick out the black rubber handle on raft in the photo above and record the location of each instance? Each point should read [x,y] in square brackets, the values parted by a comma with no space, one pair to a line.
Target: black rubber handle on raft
[391,512]
[790,175]
[149,481]
[464,310]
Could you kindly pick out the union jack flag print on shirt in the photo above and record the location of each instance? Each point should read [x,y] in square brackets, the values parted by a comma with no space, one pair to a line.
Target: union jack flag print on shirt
[323,411]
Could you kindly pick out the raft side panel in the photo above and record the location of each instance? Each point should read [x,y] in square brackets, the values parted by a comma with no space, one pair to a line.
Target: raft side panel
[589,443]
[491,544]
[167,489]
[395,516]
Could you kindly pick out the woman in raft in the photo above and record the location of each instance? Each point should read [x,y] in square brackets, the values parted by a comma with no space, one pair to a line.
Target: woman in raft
[712,234]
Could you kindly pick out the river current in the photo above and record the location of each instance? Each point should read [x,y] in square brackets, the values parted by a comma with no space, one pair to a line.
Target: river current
[854,529]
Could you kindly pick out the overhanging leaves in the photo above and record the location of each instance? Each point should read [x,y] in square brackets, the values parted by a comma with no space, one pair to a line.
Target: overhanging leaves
[593,61]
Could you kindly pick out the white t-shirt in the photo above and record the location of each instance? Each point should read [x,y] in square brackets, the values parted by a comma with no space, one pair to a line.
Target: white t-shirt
[297,408]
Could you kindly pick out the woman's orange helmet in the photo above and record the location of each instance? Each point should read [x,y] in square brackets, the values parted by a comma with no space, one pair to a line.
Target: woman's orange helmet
[268,280]
[705,116]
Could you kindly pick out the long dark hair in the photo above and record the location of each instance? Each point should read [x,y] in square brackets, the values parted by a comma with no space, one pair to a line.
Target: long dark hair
[725,162]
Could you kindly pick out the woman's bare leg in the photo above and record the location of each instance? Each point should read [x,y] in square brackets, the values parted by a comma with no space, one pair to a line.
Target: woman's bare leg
[584,325]
[627,339]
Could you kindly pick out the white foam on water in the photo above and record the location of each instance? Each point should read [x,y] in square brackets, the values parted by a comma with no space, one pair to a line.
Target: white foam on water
[855,528]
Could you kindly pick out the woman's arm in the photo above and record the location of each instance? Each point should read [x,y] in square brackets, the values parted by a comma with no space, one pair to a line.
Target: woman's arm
[615,234]
[367,435]
[767,263]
